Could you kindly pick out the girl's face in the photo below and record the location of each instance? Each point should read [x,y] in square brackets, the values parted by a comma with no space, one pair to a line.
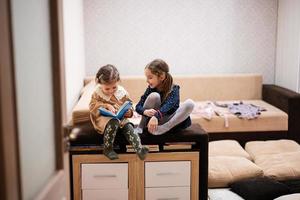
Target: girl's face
[153,80]
[109,89]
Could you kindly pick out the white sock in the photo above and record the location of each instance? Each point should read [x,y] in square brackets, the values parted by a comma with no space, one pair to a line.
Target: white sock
[138,130]
[161,130]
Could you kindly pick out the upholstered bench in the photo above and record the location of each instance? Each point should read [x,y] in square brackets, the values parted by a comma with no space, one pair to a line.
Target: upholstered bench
[228,163]
[279,159]
[265,169]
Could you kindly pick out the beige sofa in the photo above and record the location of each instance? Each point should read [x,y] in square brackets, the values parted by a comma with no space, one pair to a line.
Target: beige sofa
[202,89]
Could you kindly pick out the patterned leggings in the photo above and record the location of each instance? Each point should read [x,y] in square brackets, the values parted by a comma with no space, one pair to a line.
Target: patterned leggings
[127,130]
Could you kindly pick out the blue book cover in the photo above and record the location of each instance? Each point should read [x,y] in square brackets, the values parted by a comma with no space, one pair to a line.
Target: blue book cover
[121,112]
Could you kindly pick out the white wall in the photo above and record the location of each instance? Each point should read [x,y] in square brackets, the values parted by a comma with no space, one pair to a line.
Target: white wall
[192,36]
[74,50]
[288,45]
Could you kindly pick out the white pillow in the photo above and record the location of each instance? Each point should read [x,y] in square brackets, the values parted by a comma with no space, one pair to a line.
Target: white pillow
[295,196]
[223,194]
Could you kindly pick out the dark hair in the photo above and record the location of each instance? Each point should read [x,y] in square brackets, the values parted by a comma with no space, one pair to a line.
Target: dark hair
[159,68]
[107,74]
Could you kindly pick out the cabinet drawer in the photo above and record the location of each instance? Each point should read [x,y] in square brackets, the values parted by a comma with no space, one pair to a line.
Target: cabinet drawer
[172,193]
[101,176]
[105,194]
[171,173]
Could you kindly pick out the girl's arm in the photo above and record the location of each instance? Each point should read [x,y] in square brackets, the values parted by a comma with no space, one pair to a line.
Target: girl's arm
[95,104]
[140,105]
[171,102]
[129,113]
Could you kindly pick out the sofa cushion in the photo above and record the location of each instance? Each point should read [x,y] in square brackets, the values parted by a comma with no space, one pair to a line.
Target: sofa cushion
[281,166]
[271,120]
[81,111]
[135,85]
[269,147]
[223,170]
[259,188]
[232,87]
[205,87]
[227,148]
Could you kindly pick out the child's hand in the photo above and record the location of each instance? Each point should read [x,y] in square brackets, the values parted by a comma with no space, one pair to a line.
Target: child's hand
[152,124]
[111,108]
[128,113]
[150,112]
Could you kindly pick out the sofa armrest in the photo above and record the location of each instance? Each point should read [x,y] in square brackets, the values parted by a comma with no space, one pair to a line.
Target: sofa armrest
[289,102]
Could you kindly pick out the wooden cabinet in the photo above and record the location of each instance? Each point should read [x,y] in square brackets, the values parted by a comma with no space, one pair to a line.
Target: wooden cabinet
[168,175]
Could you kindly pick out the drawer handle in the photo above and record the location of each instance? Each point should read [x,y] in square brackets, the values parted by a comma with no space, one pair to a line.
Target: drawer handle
[168,198]
[166,173]
[105,176]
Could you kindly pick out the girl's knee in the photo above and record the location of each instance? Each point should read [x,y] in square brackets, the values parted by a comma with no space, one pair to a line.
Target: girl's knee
[114,122]
[154,96]
[112,126]
[189,105]
[128,126]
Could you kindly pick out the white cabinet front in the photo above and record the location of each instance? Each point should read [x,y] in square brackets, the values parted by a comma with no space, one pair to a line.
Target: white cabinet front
[168,193]
[104,176]
[105,194]
[164,174]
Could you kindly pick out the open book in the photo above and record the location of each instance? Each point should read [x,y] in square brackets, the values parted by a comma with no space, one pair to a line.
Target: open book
[121,112]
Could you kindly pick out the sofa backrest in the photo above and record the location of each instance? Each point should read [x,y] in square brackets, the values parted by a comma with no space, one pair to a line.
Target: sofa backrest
[204,87]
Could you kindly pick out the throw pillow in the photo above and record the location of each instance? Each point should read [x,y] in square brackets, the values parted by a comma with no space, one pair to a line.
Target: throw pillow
[262,188]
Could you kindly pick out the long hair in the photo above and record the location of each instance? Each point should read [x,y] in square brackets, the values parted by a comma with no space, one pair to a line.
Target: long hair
[107,74]
[159,68]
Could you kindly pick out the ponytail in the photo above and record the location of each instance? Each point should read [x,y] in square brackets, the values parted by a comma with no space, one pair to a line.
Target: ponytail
[166,86]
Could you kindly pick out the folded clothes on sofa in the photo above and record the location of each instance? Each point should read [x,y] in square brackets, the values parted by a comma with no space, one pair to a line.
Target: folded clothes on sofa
[244,110]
